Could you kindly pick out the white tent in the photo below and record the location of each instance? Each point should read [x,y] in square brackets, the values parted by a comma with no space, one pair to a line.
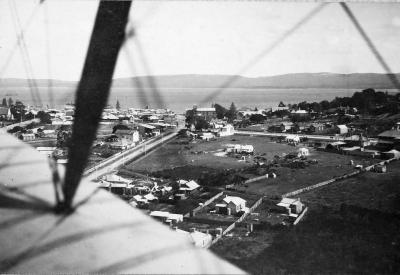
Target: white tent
[303,152]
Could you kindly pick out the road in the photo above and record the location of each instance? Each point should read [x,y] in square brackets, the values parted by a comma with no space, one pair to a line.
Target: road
[267,134]
[128,155]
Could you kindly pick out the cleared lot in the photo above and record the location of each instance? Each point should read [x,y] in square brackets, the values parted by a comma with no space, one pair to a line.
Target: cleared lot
[368,190]
[181,152]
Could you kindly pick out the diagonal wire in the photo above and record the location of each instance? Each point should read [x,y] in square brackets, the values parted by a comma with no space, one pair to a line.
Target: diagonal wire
[136,80]
[264,53]
[25,54]
[131,33]
[19,46]
[48,56]
[151,79]
[16,44]
[392,77]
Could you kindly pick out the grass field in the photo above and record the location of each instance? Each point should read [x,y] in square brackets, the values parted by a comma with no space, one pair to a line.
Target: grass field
[181,159]
[329,165]
[177,154]
[327,241]
[369,190]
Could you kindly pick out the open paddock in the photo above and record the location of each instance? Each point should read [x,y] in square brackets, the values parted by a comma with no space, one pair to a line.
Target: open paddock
[289,179]
[380,191]
[205,154]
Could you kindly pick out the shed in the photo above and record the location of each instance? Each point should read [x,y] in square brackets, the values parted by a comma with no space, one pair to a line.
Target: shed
[342,129]
[291,206]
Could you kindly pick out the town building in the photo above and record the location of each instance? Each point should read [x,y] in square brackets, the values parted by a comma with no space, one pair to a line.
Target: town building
[316,128]
[27,137]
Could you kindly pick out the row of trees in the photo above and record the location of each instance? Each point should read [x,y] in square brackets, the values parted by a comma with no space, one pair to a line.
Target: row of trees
[7,103]
[367,101]
[222,112]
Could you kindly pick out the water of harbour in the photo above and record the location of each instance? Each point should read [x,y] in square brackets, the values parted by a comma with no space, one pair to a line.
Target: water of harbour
[179,99]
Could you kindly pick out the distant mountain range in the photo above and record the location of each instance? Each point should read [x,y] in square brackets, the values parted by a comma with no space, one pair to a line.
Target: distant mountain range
[298,80]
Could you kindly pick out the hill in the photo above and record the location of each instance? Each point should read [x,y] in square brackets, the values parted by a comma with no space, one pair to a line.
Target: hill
[298,80]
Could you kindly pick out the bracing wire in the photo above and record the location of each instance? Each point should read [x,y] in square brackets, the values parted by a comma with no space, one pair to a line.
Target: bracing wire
[17,42]
[256,59]
[392,77]
[136,81]
[48,56]
[131,33]
[19,46]
[151,79]
[25,54]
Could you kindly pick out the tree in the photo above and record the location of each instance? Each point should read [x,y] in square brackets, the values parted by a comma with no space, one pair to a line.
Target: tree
[10,102]
[190,117]
[231,114]
[117,106]
[324,105]
[257,118]
[4,102]
[16,129]
[120,127]
[18,110]
[201,123]
[44,117]
[220,110]
[64,134]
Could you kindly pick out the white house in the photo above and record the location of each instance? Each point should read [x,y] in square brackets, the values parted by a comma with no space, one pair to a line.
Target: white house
[234,204]
[166,216]
[292,139]
[131,136]
[207,136]
[187,186]
[226,130]
[292,207]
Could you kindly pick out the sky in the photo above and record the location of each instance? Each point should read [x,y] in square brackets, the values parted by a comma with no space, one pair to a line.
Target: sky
[202,37]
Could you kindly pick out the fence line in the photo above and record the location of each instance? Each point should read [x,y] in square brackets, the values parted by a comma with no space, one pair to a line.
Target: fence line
[233,225]
[125,153]
[301,216]
[368,168]
[256,179]
[193,212]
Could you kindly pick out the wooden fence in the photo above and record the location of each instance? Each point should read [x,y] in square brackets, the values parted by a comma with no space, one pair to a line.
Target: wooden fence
[298,219]
[308,188]
[256,179]
[193,212]
[233,225]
